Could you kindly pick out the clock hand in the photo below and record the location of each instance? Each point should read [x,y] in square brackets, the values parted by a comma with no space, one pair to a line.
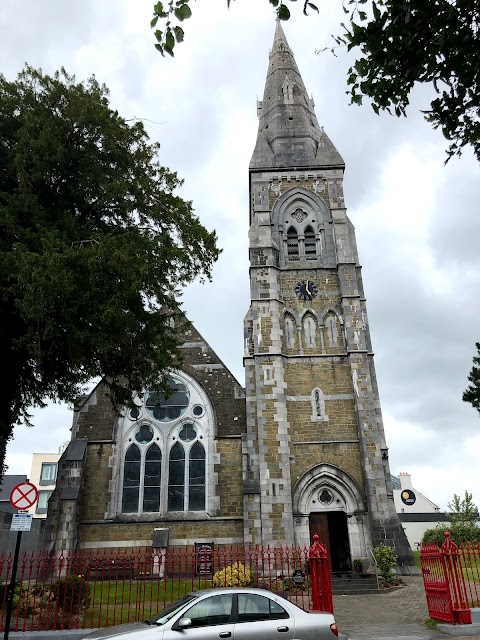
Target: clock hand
[307,289]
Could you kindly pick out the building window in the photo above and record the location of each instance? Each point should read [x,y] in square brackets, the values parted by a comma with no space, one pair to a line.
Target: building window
[164,466]
[332,331]
[310,244]
[42,502]
[292,244]
[289,333]
[318,406]
[309,329]
[48,474]
[186,482]
[170,407]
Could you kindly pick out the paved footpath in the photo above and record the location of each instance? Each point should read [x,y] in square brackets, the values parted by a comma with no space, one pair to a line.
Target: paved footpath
[398,614]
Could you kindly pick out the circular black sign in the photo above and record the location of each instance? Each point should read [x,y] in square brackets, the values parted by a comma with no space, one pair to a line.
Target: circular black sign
[298,578]
[408,497]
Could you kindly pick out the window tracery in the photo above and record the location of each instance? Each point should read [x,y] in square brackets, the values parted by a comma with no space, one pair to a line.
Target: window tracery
[165,452]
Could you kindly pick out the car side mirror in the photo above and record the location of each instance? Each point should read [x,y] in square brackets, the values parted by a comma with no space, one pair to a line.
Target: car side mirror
[183,623]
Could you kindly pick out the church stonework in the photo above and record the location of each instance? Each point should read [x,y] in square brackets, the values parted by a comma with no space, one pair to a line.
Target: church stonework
[301,449]
[317,461]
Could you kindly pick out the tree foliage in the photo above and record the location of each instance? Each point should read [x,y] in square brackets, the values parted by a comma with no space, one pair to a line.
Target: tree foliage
[472,392]
[462,526]
[463,510]
[93,245]
[398,43]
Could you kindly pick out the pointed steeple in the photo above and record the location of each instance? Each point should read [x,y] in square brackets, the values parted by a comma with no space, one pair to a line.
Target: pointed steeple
[288,132]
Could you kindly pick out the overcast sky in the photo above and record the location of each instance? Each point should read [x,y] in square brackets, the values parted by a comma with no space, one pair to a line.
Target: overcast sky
[417,221]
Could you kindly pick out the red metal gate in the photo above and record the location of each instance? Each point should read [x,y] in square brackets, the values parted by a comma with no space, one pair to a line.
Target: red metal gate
[435,580]
[448,590]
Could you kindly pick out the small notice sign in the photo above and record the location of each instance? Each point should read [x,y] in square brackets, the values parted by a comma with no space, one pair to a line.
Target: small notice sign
[204,558]
[21,521]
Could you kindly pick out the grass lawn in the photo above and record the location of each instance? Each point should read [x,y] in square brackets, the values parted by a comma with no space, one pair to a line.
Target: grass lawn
[118,602]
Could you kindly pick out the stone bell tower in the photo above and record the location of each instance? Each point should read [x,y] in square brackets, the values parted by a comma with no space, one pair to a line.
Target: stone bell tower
[314,456]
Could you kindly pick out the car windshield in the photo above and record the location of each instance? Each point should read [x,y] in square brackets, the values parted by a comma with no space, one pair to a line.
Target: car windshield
[163,616]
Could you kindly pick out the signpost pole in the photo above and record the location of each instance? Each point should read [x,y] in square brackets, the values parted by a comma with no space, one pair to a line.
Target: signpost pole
[23,496]
[11,588]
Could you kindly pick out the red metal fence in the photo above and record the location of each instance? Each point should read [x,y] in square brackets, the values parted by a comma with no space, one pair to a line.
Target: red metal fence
[451,575]
[90,589]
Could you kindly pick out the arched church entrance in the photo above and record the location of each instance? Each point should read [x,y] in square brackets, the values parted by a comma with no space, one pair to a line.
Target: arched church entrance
[332,531]
[328,502]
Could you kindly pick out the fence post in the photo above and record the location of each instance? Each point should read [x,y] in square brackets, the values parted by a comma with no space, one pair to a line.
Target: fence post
[456,580]
[320,577]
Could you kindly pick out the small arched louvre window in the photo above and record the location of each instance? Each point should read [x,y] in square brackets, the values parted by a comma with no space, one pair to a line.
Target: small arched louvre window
[332,331]
[176,478]
[309,330]
[310,244]
[292,244]
[131,479]
[196,478]
[151,479]
[289,333]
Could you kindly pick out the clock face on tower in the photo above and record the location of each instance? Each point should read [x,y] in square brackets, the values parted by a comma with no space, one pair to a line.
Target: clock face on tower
[306,290]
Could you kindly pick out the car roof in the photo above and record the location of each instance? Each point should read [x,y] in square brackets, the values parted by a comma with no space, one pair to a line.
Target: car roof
[256,590]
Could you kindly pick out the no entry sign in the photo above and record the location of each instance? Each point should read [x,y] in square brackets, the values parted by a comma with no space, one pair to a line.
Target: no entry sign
[24,495]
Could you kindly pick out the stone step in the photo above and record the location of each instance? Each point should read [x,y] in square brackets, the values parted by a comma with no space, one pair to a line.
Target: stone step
[348,583]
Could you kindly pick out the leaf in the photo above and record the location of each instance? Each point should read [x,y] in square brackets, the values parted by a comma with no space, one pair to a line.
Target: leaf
[169,42]
[311,6]
[274,2]
[158,8]
[183,12]
[153,23]
[283,12]
[179,34]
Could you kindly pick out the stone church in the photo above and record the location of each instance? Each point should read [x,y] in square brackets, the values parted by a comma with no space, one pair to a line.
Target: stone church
[300,448]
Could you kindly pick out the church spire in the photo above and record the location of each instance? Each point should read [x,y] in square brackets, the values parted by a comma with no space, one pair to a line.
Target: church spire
[289,135]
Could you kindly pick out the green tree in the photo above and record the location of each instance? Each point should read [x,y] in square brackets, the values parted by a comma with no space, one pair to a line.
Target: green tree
[398,43]
[94,243]
[463,510]
[472,392]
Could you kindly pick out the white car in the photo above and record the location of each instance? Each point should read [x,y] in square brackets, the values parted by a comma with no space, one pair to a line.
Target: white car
[234,613]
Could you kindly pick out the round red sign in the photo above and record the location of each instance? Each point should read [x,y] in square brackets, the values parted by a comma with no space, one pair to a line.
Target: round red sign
[23,496]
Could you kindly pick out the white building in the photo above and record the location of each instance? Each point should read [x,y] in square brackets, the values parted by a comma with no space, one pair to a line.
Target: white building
[43,474]
[417,513]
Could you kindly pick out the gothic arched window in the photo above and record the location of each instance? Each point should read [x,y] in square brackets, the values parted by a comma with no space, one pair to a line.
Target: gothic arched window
[165,451]
[309,331]
[292,244]
[318,405]
[187,475]
[289,333]
[196,478]
[332,330]
[176,478]
[151,479]
[310,244]
[131,479]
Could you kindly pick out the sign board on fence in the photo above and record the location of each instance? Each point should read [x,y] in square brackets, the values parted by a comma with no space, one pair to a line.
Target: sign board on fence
[204,558]
[23,495]
[298,578]
[21,521]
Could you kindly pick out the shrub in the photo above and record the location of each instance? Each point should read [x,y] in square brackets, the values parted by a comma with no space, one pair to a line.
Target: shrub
[72,593]
[385,559]
[458,533]
[235,575]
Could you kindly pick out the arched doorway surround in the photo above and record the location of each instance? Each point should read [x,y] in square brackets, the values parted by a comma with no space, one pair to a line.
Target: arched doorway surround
[327,501]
